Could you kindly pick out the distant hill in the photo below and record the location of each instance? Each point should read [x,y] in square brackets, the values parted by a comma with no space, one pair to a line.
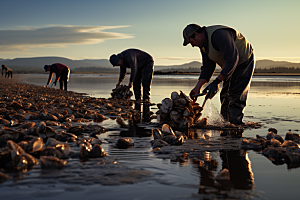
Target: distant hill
[267,64]
[41,61]
[36,64]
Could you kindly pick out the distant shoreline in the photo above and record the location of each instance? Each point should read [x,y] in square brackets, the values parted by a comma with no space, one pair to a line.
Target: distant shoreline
[255,74]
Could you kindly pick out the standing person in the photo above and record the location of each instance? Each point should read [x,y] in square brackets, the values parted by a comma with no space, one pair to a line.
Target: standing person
[62,74]
[7,70]
[141,64]
[229,49]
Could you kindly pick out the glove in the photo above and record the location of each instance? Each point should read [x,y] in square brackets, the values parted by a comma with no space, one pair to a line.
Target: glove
[212,89]
[54,83]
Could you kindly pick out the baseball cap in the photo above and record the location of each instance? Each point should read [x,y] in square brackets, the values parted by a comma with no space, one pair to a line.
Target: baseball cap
[114,59]
[46,67]
[188,31]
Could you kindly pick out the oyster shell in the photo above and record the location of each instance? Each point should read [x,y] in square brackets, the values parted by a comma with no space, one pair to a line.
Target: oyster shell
[52,162]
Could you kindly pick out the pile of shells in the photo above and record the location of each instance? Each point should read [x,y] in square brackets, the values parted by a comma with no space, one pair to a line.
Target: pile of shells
[178,111]
[121,92]
[275,148]
[166,137]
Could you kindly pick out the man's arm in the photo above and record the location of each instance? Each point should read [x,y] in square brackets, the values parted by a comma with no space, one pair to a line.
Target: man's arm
[49,78]
[122,73]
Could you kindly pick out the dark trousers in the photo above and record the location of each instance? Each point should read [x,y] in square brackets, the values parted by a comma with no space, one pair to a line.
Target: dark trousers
[235,90]
[8,73]
[143,76]
[64,79]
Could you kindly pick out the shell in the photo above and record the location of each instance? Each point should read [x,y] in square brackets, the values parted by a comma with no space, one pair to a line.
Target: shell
[291,136]
[188,112]
[176,116]
[14,149]
[97,151]
[51,142]
[64,149]
[52,162]
[180,102]
[32,131]
[50,132]
[163,117]
[35,145]
[174,95]
[275,142]
[166,128]
[270,135]
[50,151]
[124,143]
[85,150]
[167,105]
[185,122]
[27,125]
[156,134]
[289,143]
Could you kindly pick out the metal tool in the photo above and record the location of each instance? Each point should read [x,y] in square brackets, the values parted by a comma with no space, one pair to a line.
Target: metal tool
[204,102]
[201,94]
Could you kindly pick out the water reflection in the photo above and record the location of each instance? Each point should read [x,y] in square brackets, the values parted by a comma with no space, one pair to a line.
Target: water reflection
[238,164]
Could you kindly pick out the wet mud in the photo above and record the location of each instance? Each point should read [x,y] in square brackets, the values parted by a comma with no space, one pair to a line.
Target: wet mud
[75,119]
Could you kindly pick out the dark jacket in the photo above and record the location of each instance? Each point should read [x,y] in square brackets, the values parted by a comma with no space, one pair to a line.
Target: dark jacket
[56,68]
[134,59]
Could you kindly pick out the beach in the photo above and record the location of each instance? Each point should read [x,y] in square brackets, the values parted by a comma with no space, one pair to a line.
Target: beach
[179,172]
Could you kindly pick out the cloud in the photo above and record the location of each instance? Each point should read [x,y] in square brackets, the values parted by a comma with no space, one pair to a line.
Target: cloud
[177,58]
[56,36]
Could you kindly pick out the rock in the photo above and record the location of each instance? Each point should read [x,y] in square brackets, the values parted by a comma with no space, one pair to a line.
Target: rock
[124,143]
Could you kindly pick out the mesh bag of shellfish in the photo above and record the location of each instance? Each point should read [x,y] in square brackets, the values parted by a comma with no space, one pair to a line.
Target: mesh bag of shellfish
[121,92]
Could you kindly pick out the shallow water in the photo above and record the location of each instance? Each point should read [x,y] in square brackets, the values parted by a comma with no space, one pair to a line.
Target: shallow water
[140,174]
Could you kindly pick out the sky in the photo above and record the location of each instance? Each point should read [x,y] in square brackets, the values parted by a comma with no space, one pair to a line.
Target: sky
[95,29]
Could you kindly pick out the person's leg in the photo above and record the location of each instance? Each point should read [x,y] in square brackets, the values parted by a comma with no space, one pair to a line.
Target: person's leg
[224,99]
[238,90]
[147,80]
[66,81]
[11,74]
[137,84]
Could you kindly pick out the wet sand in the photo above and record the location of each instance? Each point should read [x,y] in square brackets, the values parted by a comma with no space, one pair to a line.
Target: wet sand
[143,170]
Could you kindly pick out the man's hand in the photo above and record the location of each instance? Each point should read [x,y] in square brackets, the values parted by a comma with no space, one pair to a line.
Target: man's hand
[193,92]
[118,84]
[212,89]
[130,85]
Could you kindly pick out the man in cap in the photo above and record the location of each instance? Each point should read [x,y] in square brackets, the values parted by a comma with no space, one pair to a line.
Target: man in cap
[7,70]
[62,74]
[229,49]
[141,65]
